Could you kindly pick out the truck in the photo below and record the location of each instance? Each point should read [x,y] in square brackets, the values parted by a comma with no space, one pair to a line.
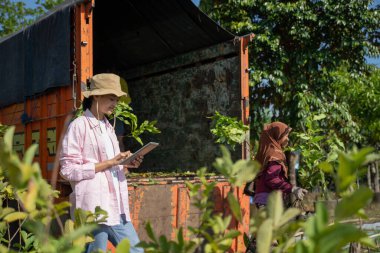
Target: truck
[180,67]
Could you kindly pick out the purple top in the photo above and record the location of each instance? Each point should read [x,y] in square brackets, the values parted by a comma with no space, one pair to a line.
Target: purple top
[272,178]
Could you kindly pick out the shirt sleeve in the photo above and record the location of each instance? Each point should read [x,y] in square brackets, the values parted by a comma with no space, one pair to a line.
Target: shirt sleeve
[71,160]
[275,180]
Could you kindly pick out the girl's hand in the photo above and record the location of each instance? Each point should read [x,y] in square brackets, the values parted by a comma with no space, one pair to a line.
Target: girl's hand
[135,163]
[106,165]
[119,158]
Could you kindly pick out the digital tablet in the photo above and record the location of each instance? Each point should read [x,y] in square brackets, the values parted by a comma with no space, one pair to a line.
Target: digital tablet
[141,152]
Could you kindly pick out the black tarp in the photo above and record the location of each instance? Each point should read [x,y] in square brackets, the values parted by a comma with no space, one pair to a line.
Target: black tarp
[127,34]
[35,59]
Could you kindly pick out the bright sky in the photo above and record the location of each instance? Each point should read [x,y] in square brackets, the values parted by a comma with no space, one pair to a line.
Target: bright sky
[370,60]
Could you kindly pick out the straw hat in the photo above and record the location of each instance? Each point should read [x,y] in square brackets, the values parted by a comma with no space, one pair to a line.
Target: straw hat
[103,84]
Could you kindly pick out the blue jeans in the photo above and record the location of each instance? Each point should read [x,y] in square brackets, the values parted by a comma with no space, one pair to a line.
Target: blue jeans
[115,234]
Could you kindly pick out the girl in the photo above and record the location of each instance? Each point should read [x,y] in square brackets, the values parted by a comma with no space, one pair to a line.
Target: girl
[90,158]
[274,173]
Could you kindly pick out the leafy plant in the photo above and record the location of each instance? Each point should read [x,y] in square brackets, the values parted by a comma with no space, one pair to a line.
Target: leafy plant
[23,182]
[315,146]
[275,223]
[29,242]
[123,112]
[228,130]
[320,236]
[163,245]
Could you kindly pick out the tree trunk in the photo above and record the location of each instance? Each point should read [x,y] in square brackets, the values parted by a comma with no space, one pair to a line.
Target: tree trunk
[369,176]
[293,159]
[376,177]
[376,186]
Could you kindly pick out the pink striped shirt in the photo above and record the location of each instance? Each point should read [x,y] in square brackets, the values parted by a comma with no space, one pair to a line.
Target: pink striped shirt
[82,148]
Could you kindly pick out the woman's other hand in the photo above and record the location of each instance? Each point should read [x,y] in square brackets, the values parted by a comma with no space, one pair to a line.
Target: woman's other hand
[135,163]
[299,192]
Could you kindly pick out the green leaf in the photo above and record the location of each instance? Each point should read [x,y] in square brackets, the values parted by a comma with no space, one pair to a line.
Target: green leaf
[275,207]
[244,171]
[338,235]
[29,197]
[235,206]
[150,232]
[350,205]
[69,226]
[289,214]
[6,211]
[124,246]
[319,117]
[232,234]
[371,158]
[78,232]
[62,207]
[29,154]
[15,216]
[326,167]
[264,236]
[8,137]
[348,166]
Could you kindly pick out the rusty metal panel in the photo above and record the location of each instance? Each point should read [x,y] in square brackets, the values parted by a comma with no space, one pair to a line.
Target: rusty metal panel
[152,203]
[167,206]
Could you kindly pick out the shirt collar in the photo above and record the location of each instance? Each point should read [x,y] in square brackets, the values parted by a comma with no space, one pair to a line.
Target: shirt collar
[94,121]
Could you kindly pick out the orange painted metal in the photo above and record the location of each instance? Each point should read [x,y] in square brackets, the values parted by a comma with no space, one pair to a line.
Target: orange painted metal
[244,81]
[11,115]
[45,113]
[243,227]
[83,40]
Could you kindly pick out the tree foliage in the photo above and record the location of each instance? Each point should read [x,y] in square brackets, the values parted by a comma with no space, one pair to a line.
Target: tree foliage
[15,15]
[300,50]
[362,98]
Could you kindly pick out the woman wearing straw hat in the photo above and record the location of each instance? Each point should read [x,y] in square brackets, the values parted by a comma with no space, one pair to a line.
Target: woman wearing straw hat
[90,158]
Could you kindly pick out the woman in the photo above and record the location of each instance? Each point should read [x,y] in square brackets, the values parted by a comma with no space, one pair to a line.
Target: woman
[90,158]
[274,173]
